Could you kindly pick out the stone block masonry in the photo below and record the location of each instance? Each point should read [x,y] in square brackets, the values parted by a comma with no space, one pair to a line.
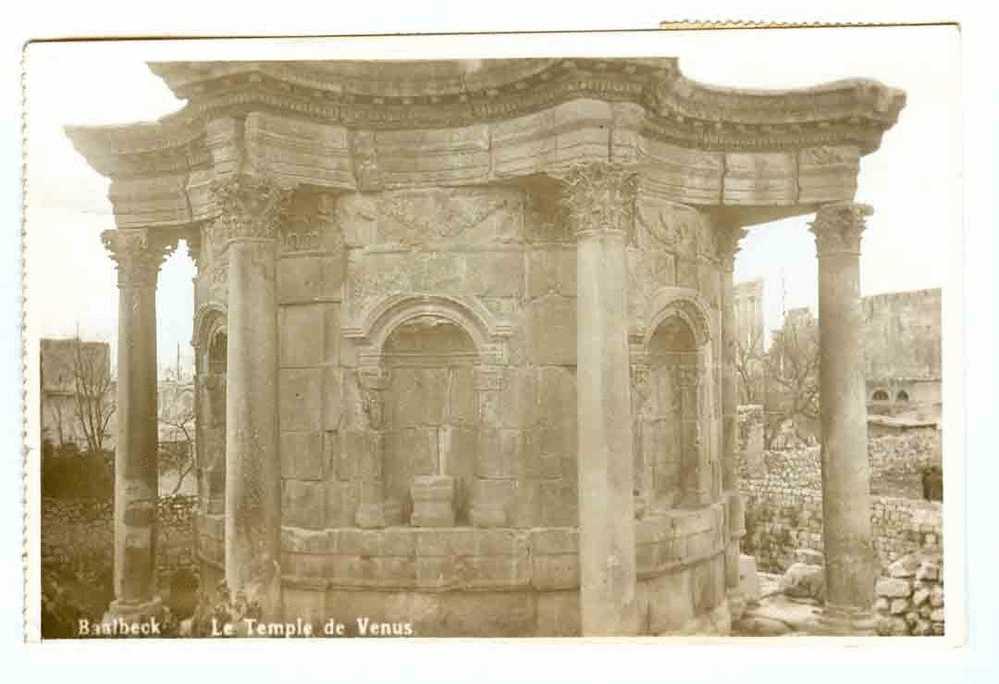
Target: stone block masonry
[910,597]
[784,502]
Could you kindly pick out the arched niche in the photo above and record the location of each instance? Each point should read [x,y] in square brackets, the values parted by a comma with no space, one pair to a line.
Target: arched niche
[211,351]
[430,418]
[672,393]
[426,364]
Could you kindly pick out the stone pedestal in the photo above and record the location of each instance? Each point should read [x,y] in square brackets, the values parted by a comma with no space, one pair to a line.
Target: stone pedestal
[251,210]
[850,559]
[600,201]
[138,253]
[433,501]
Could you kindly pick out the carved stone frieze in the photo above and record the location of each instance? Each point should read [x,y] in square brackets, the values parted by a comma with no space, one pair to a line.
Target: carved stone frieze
[838,227]
[415,217]
[138,253]
[310,224]
[671,226]
[600,197]
[365,157]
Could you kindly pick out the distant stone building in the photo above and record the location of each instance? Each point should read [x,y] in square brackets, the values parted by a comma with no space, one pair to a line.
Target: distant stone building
[77,392]
[749,314]
[902,359]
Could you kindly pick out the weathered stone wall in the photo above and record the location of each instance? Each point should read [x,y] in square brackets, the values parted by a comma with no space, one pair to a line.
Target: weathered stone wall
[902,335]
[503,255]
[784,501]
[910,596]
[529,577]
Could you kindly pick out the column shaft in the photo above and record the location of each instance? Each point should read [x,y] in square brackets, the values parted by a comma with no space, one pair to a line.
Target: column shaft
[136,472]
[251,211]
[729,237]
[136,477]
[850,559]
[253,476]
[606,465]
[600,199]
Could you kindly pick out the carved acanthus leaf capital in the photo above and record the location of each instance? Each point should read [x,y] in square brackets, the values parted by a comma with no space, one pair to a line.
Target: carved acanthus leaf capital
[838,227]
[600,197]
[250,207]
[138,253]
[728,239]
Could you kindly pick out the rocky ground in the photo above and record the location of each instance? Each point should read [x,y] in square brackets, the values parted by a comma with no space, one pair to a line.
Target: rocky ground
[777,614]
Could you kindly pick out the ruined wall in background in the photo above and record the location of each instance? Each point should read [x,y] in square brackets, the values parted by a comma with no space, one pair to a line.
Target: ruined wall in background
[902,334]
[784,501]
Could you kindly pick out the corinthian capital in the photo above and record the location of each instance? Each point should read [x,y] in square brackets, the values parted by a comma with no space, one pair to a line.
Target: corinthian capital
[138,253]
[250,207]
[600,197]
[838,226]
[728,238]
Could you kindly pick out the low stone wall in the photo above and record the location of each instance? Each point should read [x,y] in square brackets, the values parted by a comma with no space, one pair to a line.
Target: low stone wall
[784,502]
[910,597]
[492,581]
[77,549]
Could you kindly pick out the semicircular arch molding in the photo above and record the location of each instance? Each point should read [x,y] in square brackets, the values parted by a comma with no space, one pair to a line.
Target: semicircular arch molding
[685,303]
[207,321]
[487,334]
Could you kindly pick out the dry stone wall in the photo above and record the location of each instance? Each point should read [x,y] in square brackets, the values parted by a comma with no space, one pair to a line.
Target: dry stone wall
[784,501]
[910,597]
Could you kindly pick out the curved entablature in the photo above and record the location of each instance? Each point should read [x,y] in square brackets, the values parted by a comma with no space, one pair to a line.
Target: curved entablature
[377,324]
[358,126]
[408,96]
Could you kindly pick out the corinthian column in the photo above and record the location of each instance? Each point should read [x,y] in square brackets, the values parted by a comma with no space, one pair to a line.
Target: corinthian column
[138,254]
[846,511]
[600,201]
[728,245]
[250,212]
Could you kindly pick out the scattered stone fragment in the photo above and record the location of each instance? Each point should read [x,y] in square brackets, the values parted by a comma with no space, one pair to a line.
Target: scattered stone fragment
[936,597]
[904,567]
[898,606]
[893,588]
[804,581]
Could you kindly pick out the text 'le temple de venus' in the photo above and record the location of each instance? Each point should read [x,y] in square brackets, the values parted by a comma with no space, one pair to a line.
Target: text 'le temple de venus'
[464,334]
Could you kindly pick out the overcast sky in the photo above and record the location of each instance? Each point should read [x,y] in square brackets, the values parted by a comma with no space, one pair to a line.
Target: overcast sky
[912,181]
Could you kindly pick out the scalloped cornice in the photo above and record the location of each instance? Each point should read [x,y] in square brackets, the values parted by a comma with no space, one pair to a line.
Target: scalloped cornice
[373,96]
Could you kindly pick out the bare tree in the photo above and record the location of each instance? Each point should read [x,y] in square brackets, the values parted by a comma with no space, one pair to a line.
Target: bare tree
[749,365]
[792,375]
[56,417]
[178,418]
[93,401]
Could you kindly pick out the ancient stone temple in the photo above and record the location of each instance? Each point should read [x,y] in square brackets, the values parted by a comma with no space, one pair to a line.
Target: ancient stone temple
[464,334]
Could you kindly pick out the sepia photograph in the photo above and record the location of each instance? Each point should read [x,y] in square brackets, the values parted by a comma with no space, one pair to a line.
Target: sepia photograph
[642,339]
